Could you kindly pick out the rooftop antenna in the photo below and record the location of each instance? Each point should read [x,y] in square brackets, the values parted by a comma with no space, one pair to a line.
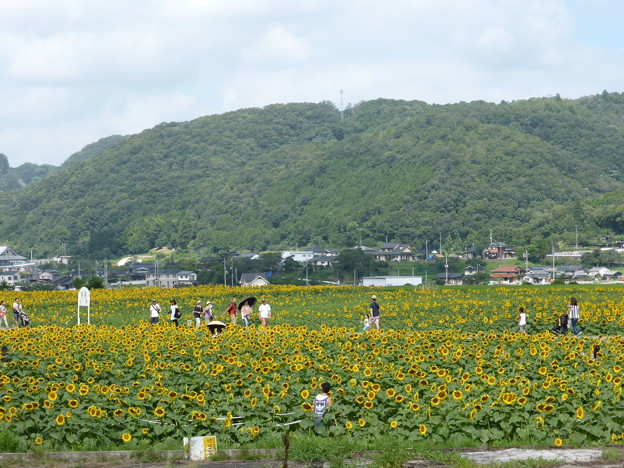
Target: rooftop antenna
[341,111]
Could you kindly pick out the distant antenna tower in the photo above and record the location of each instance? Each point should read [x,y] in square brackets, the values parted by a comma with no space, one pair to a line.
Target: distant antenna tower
[341,111]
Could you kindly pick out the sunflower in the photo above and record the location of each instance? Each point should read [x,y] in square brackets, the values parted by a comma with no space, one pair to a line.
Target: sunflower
[60,420]
[558,442]
[390,392]
[72,403]
[305,394]
[349,425]
[580,413]
[38,440]
[361,422]
[159,412]
[126,437]
[307,407]
[422,429]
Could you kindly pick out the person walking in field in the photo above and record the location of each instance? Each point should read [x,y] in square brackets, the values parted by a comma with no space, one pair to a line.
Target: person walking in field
[521,320]
[231,310]
[154,311]
[3,314]
[574,313]
[374,312]
[175,312]
[198,310]
[208,317]
[246,313]
[264,311]
[17,310]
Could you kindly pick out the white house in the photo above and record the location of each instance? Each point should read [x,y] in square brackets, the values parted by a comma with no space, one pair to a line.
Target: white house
[10,277]
[171,278]
[253,279]
[391,280]
[300,256]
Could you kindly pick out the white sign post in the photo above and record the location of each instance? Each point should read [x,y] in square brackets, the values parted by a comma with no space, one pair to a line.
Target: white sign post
[84,299]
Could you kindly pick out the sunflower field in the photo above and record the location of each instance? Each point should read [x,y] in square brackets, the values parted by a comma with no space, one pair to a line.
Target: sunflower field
[447,364]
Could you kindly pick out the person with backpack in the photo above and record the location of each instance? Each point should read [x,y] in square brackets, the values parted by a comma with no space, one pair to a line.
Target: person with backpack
[322,403]
[175,312]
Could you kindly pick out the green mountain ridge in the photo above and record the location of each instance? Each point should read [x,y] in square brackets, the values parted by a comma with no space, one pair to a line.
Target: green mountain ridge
[297,174]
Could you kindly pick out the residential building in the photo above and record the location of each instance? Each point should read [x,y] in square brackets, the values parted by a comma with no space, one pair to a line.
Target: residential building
[498,251]
[510,274]
[474,269]
[253,279]
[391,280]
[10,277]
[9,258]
[454,279]
[170,278]
[394,252]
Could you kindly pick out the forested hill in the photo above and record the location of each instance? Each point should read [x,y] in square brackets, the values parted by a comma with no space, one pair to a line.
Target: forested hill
[297,174]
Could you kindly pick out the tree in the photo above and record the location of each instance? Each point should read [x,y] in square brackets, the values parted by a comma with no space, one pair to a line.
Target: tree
[95,282]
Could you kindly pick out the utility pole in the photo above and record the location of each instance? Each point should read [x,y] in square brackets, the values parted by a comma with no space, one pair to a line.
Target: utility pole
[446,268]
[552,244]
[576,233]
[341,109]
[105,271]
[224,273]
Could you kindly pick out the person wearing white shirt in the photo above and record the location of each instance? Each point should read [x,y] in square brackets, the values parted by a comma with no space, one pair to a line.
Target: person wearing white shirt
[521,320]
[265,313]
[154,312]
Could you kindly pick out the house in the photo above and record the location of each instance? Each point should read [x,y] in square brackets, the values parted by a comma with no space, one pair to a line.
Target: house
[569,271]
[597,271]
[498,251]
[612,275]
[170,278]
[455,279]
[391,280]
[253,279]
[10,277]
[394,252]
[471,253]
[474,269]
[323,260]
[47,275]
[510,274]
[538,275]
[9,258]
[300,256]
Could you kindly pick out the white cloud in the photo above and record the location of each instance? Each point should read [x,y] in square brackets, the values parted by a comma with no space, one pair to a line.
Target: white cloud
[72,71]
[277,45]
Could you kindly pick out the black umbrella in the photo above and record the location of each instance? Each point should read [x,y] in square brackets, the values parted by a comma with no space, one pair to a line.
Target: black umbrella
[250,301]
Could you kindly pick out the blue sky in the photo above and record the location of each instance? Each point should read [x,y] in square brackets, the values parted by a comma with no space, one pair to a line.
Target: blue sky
[74,71]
